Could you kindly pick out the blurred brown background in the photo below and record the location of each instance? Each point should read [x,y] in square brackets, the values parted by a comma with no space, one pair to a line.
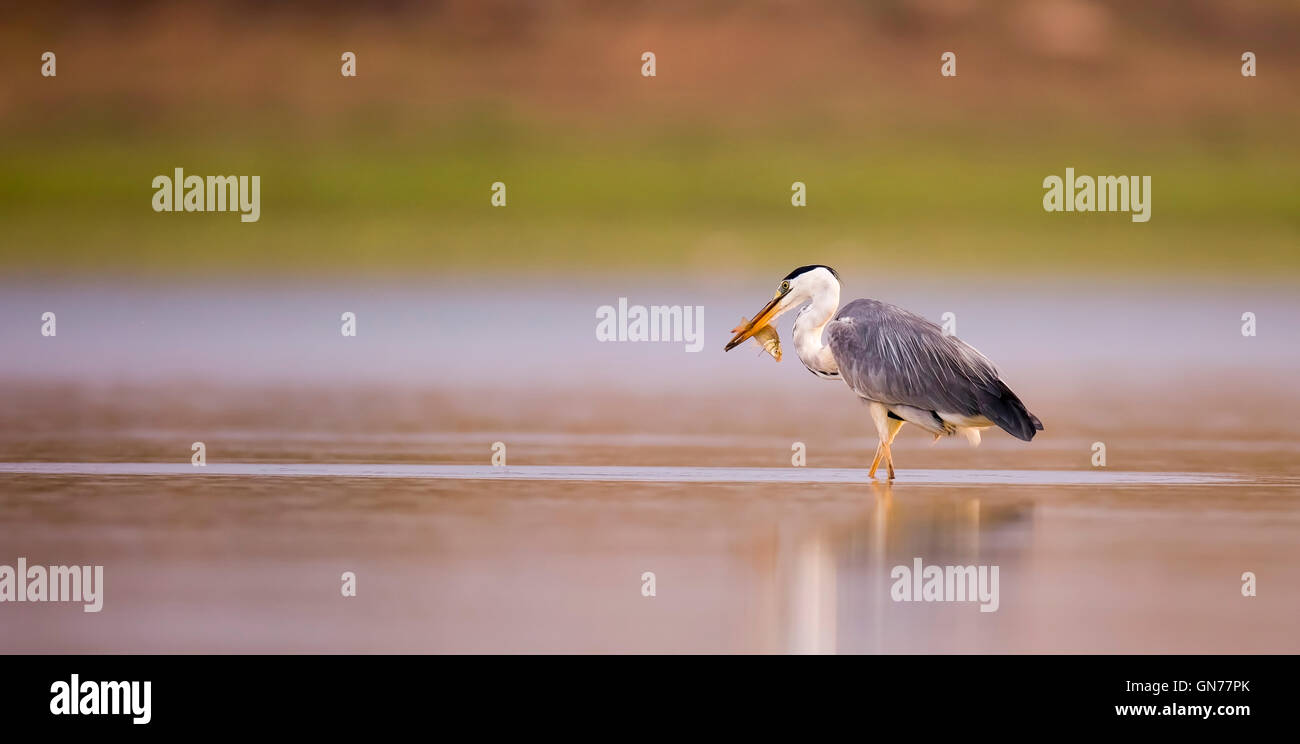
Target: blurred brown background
[388,173]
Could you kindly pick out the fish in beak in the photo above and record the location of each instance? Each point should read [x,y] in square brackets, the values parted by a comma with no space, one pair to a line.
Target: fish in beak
[765,337]
[760,328]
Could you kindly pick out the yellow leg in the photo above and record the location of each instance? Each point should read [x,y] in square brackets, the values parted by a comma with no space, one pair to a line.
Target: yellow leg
[892,427]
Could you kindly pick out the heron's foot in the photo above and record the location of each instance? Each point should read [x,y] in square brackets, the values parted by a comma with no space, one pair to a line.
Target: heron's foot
[889,461]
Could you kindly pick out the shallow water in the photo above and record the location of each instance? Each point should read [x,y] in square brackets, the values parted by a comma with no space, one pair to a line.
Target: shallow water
[253,563]
[614,474]
[621,460]
[525,334]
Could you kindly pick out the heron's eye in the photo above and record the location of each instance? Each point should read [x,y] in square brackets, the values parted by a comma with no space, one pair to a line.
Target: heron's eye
[785,286]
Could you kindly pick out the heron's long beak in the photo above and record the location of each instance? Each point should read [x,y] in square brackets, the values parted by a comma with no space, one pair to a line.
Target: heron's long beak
[763,318]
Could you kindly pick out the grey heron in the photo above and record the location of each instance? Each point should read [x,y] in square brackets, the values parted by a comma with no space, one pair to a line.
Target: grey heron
[904,366]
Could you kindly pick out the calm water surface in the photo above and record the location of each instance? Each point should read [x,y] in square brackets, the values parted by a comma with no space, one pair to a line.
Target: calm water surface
[624,459]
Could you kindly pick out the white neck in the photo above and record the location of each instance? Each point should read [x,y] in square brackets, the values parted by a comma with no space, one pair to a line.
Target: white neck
[808,328]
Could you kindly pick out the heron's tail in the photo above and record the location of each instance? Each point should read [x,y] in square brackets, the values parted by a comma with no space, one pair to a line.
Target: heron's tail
[1002,407]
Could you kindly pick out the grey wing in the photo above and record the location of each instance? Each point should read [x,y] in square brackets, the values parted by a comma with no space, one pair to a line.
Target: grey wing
[889,355]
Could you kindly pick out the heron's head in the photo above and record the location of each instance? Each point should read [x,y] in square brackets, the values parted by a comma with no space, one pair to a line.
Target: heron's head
[798,287]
